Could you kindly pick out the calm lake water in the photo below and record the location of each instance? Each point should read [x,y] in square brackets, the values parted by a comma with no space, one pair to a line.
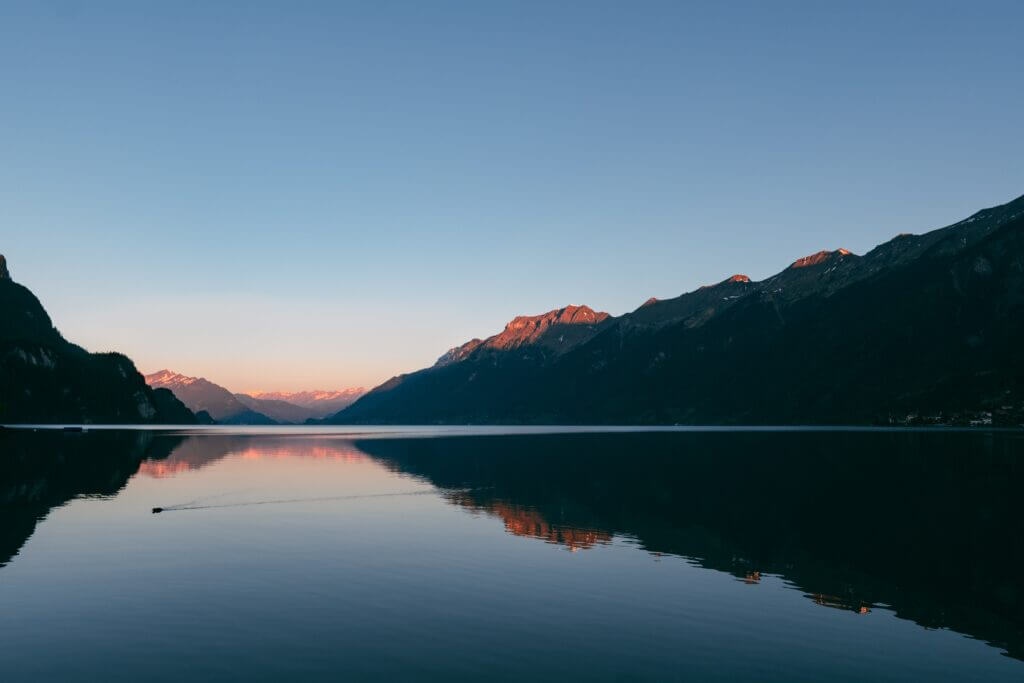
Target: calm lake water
[294,554]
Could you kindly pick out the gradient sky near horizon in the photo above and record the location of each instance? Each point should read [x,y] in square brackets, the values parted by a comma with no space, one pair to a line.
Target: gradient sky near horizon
[285,196]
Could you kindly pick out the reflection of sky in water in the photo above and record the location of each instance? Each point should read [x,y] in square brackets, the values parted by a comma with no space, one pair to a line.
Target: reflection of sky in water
[451,584]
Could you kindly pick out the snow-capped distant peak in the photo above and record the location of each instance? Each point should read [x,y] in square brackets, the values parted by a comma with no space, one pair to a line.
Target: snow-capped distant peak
[169,378]
[312,397]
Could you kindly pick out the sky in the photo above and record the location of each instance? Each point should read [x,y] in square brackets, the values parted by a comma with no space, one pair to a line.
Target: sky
[288,196]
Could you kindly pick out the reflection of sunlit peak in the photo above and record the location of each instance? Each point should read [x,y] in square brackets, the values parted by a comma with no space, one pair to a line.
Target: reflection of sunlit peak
[159,469]
[320,452]
[522,521]
[198,452]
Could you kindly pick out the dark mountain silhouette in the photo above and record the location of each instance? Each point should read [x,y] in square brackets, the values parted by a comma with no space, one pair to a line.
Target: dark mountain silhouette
[202,395]
[46,379]
[922,328]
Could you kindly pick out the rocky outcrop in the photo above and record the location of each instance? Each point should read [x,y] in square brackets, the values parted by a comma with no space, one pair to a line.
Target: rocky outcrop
[554,333]
[818,258]
[458,353]
[558,330]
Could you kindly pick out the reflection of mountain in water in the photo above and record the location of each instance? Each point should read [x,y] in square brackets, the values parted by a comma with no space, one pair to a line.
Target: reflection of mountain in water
[525,521]
[927,523]
[43,470]
[196,452]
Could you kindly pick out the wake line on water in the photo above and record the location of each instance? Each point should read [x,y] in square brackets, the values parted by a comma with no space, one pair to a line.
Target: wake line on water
[195,502]
[191,506]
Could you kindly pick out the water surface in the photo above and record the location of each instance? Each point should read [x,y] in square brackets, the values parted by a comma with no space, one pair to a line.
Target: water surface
[465,554]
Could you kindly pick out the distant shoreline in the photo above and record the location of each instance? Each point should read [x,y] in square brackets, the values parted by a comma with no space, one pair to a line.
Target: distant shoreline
[414,431]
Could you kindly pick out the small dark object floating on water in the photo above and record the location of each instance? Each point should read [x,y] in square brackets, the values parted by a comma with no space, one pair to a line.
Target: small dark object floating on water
[156,510]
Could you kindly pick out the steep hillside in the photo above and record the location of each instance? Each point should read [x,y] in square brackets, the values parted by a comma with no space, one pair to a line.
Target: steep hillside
[924,328]
[46,379]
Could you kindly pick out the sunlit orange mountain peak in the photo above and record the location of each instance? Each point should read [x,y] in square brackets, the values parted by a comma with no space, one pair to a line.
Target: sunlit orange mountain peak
[558,331]
[537,329]
[819,257]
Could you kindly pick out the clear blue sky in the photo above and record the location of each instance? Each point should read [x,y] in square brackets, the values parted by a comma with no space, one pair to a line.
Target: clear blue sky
[298,195]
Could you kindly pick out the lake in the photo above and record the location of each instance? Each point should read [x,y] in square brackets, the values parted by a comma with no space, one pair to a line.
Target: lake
[511,554]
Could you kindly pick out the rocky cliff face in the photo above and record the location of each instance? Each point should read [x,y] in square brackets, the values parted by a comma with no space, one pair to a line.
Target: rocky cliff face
[921,328]
[46,379]
[552,333]
[558,330]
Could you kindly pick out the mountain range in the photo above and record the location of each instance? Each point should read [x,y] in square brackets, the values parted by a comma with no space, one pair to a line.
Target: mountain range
[921,329]
[317,403]
[203,396]
[265,408]
[46,379]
